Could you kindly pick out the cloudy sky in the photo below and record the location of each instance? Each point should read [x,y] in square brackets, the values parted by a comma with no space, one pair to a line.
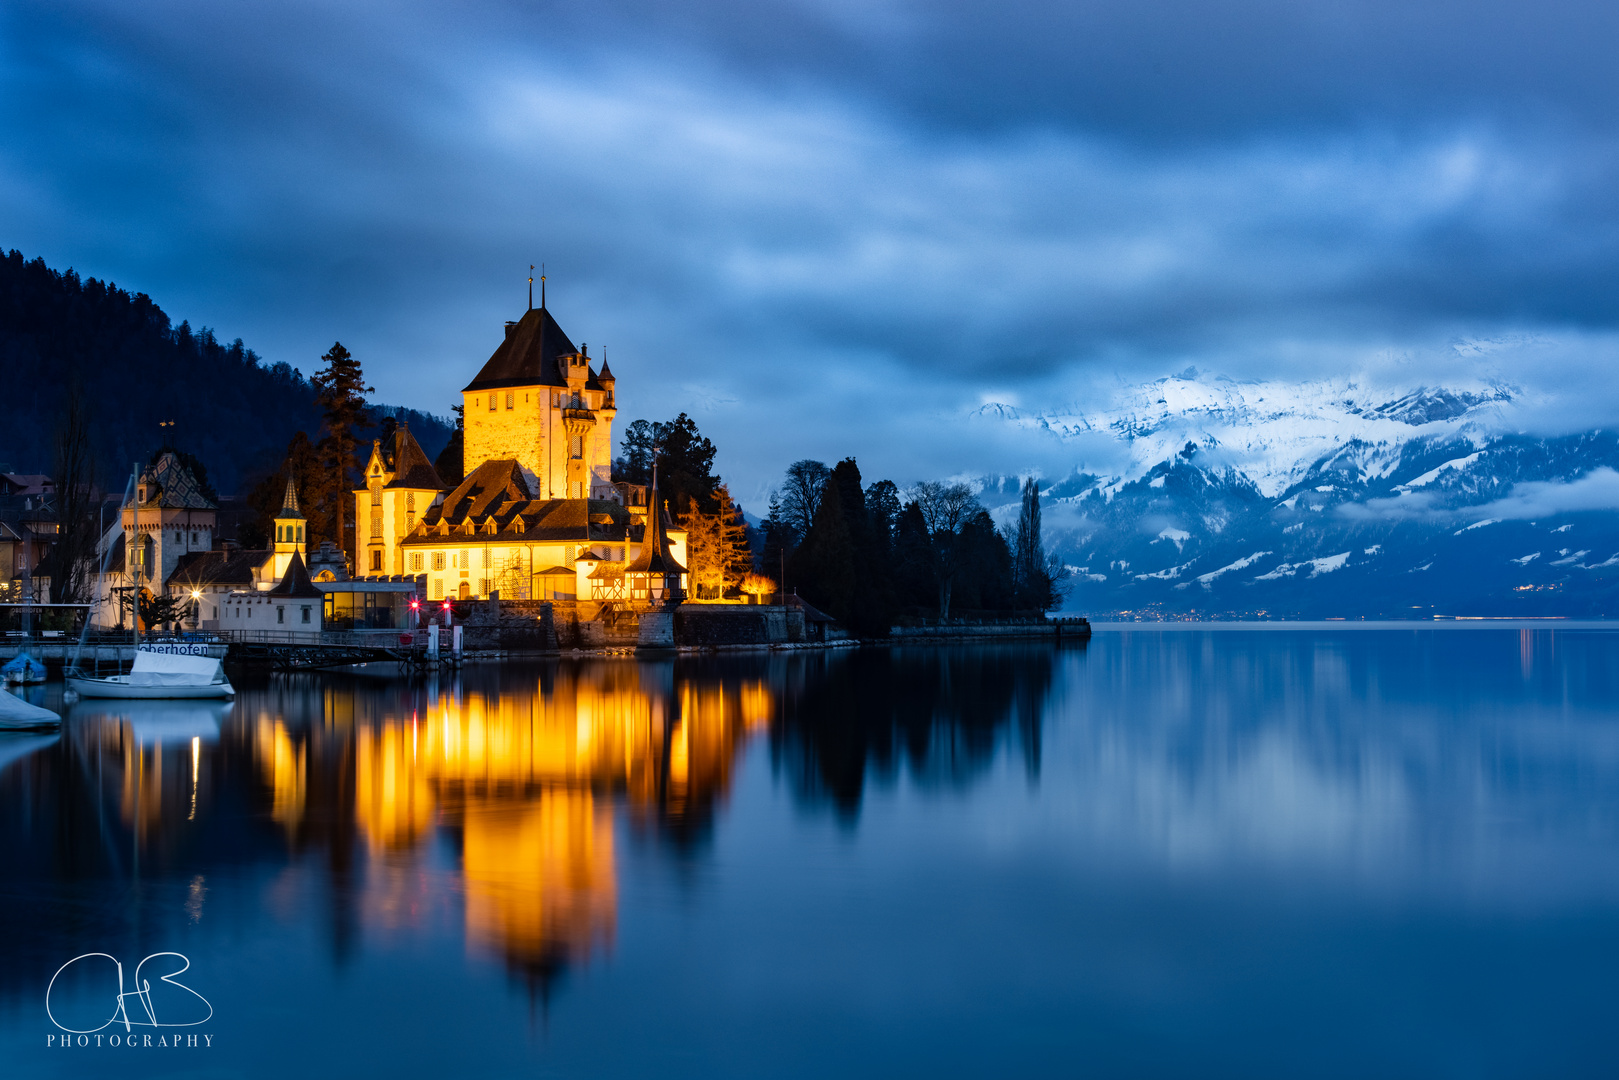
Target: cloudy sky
[834,227]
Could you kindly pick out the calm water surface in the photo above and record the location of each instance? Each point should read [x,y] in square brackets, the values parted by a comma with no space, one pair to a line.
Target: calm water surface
[1247,854]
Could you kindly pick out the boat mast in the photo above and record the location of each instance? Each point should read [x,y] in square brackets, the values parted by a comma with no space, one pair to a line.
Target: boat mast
[131,549]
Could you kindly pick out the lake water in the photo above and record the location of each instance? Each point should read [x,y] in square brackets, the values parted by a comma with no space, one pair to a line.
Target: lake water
[1201,853]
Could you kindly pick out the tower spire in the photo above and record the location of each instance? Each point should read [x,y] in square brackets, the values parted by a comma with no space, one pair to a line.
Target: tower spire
[290,501]
[531,286]
[542,287]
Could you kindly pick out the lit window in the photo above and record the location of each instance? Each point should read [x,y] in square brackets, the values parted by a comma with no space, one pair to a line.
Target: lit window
[438,560]
[416,560]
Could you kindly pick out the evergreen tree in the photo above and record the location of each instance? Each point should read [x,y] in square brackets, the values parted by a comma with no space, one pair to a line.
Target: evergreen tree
[1036,575]
[340,392]
[883,505]
[635,466]
[316,496]
[735,552]
[685,461]
[915,563]
[841,566]
[823,566]
[984,580]
[777,544]
[449,464]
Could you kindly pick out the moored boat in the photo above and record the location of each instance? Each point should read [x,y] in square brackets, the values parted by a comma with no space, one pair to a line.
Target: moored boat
[159,675]
[22,669]
[18,715]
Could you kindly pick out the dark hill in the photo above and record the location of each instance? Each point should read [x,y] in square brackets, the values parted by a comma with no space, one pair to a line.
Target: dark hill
[235,413]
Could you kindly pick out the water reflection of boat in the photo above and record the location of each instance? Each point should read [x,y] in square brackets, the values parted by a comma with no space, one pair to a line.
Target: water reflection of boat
[14,746]
[18,715]
[155,722]
[159,675]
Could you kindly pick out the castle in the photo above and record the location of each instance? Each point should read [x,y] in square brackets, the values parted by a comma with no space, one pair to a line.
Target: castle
[538,516]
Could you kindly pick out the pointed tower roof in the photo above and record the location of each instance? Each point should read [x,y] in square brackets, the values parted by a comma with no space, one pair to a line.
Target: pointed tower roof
[289,503]
[654,556]
[409,464]
[606,375]
[528,356]
[295,583]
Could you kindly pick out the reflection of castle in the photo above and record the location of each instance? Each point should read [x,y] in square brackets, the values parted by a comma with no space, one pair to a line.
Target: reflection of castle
[526,777]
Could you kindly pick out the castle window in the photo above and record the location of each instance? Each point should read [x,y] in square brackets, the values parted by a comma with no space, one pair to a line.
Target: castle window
[300,534]
[376,561]
[280,614]
[466,561]
[578,446]
[376,523]
[510,397]
[438,589]
[416,560]
[376,493]
[491,403]
[438,560]
[410,502]
[306,613]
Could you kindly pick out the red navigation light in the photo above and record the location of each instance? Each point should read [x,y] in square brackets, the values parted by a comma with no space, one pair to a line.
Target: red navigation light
[415,605]
[446,605]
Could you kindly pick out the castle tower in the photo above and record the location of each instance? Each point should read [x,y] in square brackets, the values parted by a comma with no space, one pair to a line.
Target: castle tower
[289,532]
[537,402]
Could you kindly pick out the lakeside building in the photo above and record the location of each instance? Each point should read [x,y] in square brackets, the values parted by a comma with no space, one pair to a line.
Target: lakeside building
[28,531]
[538,516]
[166,543]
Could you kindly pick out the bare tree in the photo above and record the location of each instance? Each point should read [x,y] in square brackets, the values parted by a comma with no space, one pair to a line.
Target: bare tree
[73,554]
[801,495]
[945,509]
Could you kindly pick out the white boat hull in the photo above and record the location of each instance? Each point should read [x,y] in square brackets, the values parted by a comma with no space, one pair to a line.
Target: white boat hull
[117,686]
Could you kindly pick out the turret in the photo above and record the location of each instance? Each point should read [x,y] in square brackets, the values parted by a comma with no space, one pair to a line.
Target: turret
[289,530]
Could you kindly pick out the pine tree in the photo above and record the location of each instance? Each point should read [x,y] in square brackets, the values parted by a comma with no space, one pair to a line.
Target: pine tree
[340,392]
[731,530]
[449,465]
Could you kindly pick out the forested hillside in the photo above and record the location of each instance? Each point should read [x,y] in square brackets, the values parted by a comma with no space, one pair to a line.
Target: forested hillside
[134,370]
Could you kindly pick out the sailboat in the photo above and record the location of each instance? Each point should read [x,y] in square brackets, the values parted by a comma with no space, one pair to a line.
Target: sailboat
[159,674]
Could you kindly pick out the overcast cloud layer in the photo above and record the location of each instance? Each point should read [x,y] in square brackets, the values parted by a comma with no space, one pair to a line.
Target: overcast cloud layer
[829,228]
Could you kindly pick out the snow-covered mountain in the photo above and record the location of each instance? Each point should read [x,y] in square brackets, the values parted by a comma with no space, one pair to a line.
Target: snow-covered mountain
[1327,498]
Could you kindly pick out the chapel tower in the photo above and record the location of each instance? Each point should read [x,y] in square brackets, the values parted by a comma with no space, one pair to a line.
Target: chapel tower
[289,532]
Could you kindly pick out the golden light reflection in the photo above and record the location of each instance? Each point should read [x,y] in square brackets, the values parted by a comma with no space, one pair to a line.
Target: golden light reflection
[515,788]
[530,778]
[285,768]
